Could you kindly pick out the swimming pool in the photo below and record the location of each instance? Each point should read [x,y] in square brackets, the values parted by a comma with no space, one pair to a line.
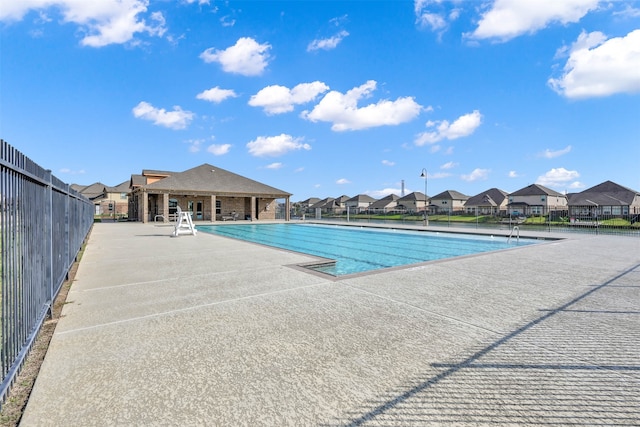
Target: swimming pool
[360,249]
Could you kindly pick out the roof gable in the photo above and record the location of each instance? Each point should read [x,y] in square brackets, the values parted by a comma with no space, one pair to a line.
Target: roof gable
[490,197]
[362,198]
[607,193]
[450,195]
[536,190]
[413,197]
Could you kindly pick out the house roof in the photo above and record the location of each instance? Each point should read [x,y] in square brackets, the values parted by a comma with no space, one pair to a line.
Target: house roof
[153,172]
[607,193]
[328,202]
[450,195]
[362,198]
[137,181]
[412,197]
[342,199]
[207,178]
[92,191]
[536,190]
[120,188]
[310,201]
[490,197]
[384,202]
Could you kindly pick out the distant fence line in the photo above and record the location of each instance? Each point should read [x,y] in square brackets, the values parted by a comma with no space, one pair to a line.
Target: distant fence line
[551,221]
[43,224]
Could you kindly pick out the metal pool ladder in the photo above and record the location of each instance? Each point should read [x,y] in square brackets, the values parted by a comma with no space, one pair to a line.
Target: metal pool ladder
[514,229]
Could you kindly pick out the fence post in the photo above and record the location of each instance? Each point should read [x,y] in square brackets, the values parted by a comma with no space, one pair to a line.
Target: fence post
[49,239]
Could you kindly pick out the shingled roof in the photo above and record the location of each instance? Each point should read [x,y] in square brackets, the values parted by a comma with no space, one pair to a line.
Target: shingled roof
[490,197]
[416,196]
[606,194]
[384,202]
[211,179]
[536,190]
[450,195]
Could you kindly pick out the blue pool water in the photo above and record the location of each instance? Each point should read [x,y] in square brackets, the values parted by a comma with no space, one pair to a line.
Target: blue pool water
[359,249]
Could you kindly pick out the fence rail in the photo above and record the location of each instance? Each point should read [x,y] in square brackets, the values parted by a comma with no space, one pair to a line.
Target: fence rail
[43,224]
[552,221]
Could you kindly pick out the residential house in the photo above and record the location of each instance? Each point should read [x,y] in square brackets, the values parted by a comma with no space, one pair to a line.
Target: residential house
[209,192]
[413,202]
[448,201]
[386,204]
[106,200]
[489,202]
[605,199]
[535,199]
[359,203]
[341,203]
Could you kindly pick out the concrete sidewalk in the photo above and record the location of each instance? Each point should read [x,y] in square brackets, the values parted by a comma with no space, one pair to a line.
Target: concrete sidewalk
[204,330]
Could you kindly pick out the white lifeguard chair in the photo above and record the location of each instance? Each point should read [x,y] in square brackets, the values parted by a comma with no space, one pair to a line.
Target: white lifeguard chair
[184,224]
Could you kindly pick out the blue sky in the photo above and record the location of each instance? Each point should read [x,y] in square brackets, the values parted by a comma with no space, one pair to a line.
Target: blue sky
[325,98]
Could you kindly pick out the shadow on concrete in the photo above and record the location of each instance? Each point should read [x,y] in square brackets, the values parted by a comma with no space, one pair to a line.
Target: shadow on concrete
[578,364]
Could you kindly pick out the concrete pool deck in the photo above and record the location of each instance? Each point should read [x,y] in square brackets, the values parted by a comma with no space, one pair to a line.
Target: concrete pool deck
[205,330]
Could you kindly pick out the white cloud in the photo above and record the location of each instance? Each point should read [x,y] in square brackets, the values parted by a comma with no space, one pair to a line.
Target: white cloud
[246,57]
[464,125]
[449,165]
[553,154]
[379,194]
[176,119]
[439,175]
[276,165]
[103,22]
[342,110]
[194,144]
[560,178]
[388,163]
[511,18]
[215,94]
[342,181]
[600,67]
[200,2]
[476,175]
[72,172]
[280,99]
[227,21]
[276,145]
[513,174]
[327,44]
[219,149]
[432,14]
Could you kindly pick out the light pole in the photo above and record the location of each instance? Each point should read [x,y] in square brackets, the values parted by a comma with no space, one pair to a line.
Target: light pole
[426,215]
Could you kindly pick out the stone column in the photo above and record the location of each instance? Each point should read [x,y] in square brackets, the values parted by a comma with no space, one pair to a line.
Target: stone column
[165,207]
[287,207]
[145,207]
[252,214]
[213,208]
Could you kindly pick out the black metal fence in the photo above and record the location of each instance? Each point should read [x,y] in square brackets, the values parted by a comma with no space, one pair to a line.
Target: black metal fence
[562,221]
[43,224]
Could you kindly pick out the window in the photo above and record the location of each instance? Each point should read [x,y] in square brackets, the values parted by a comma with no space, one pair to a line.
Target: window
[123,195]
[218,207]
[542,198]
[173,206]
